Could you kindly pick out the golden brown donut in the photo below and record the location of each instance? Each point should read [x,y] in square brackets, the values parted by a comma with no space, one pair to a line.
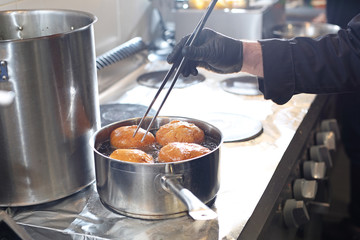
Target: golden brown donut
[178,151]
[122,137]
[179,131]
[132,155]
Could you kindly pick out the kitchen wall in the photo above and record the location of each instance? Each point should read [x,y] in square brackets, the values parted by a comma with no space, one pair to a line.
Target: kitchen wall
[118,20]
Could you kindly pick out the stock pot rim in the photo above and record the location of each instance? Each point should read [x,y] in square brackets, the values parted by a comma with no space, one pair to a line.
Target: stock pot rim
[92,19]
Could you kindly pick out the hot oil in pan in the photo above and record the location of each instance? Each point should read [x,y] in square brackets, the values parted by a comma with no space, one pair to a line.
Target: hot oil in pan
[106,149]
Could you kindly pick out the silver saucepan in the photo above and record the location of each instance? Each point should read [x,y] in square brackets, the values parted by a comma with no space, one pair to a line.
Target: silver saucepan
[159,190]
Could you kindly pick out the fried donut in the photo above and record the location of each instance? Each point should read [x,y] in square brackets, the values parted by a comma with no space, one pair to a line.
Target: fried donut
[122,137]
[178,151]
[179,131]
[132,155]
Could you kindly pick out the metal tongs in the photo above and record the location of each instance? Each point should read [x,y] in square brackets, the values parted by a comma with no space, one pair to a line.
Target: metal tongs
[177,66]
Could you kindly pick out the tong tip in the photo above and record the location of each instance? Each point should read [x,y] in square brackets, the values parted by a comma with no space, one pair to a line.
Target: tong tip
[136,131]
[142,139]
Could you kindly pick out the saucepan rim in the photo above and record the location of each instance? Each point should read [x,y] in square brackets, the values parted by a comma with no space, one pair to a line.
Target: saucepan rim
[112,126]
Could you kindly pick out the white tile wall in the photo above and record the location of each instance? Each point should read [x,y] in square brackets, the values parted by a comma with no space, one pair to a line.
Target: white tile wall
[118,20]
[3,2]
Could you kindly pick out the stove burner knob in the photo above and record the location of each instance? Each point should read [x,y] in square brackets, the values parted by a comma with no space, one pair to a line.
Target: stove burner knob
[304,189]
[295,213]
[327,139]
[320,153]
[314,170]
[331,125]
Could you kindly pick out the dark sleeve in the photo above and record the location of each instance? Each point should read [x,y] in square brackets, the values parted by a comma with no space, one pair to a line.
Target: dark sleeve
[330,64]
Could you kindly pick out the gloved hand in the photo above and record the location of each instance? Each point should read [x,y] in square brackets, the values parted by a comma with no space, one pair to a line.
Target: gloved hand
[212,51]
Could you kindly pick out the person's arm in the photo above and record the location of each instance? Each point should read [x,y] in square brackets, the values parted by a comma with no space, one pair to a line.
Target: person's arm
[329,64]
[285,67]
[252,58]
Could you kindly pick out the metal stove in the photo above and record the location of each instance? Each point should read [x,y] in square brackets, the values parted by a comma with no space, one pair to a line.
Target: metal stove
[260,138]
[234,104]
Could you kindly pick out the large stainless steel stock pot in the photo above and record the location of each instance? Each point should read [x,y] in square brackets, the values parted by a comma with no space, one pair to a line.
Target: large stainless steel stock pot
[159,190]
[48,73]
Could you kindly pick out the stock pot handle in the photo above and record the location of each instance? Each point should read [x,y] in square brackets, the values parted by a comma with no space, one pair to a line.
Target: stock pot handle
[6,97]
[197,209]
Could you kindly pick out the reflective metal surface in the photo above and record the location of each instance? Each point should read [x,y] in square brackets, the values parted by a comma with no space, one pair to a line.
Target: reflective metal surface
[244,85]
[253,23]
[84,217]
[114,112]
[234,127]
[135,189]
[245,169]
[50,58]
[154,79]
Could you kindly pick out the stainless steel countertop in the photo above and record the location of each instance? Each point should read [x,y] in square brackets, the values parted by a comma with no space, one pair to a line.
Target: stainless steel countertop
[246,168]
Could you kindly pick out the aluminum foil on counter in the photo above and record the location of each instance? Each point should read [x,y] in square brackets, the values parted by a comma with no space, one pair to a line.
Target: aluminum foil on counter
[83,216]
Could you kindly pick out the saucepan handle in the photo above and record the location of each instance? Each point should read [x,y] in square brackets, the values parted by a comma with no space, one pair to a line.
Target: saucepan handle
[197,209]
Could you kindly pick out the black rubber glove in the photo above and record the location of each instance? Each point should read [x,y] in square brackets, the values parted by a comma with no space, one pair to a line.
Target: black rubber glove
[212,51]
